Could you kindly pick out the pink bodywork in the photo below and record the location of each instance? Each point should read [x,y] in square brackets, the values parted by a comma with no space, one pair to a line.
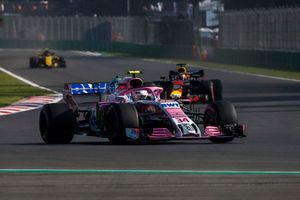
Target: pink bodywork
[176,113]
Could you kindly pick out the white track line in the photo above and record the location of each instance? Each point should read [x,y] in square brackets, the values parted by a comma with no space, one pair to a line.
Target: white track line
[26,81]
[29,103]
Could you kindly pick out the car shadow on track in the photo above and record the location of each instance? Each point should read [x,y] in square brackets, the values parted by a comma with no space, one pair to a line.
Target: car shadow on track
[104,143]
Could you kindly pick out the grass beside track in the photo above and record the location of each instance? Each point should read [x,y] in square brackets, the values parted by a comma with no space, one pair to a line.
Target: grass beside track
[12,90]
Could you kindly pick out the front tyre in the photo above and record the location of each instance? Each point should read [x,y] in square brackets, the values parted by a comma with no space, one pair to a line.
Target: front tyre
[221,114]
[120,117]
[57,123]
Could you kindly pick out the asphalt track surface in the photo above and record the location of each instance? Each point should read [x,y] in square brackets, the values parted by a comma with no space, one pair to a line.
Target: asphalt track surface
[270,108]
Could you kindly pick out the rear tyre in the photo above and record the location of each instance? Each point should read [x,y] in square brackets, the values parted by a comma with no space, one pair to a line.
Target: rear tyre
[57,123]
[217,89]
[32,62]
[214,89]
[120,117]
[223,115]
[62,62]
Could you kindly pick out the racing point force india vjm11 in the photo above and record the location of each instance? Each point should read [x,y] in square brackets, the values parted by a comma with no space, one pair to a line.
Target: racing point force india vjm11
[129,110]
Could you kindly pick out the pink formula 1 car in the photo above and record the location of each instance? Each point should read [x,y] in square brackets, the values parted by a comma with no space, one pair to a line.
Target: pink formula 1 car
[128,110]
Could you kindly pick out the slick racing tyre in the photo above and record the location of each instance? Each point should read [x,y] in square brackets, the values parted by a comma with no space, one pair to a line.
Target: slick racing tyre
[57,123]
[33,62]
[217,89]
[214,89]
[62,62]
[221,114]
[120,117]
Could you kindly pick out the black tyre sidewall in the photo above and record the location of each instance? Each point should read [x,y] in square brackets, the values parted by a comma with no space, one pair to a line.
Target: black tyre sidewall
[62,62]
[218,89]
[225,115]
[114,127]
[120,117]
[57,123]
[225,112]
[32,62]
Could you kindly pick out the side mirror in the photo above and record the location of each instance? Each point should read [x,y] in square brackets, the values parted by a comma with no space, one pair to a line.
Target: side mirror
[163,77]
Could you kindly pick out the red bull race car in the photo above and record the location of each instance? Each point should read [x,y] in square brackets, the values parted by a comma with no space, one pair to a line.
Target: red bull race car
[129,110]
[190,86]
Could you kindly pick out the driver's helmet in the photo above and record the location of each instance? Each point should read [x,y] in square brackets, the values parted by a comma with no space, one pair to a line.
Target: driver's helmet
[183,73]
[182,70]
[46,51]
[143,95]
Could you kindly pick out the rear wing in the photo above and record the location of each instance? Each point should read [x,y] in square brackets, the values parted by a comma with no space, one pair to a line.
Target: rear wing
[86,88]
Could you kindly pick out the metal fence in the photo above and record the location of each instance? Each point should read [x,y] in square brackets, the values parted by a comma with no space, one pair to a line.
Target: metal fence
[69,28]
[121,29]
[275,29]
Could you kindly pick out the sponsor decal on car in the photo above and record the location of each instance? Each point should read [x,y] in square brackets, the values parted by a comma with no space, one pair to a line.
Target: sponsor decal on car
[182,120]
[188,127]
[170,105]
[176,113]
[88,88]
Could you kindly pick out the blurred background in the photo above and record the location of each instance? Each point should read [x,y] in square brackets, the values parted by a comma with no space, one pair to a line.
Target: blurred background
[256,33]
